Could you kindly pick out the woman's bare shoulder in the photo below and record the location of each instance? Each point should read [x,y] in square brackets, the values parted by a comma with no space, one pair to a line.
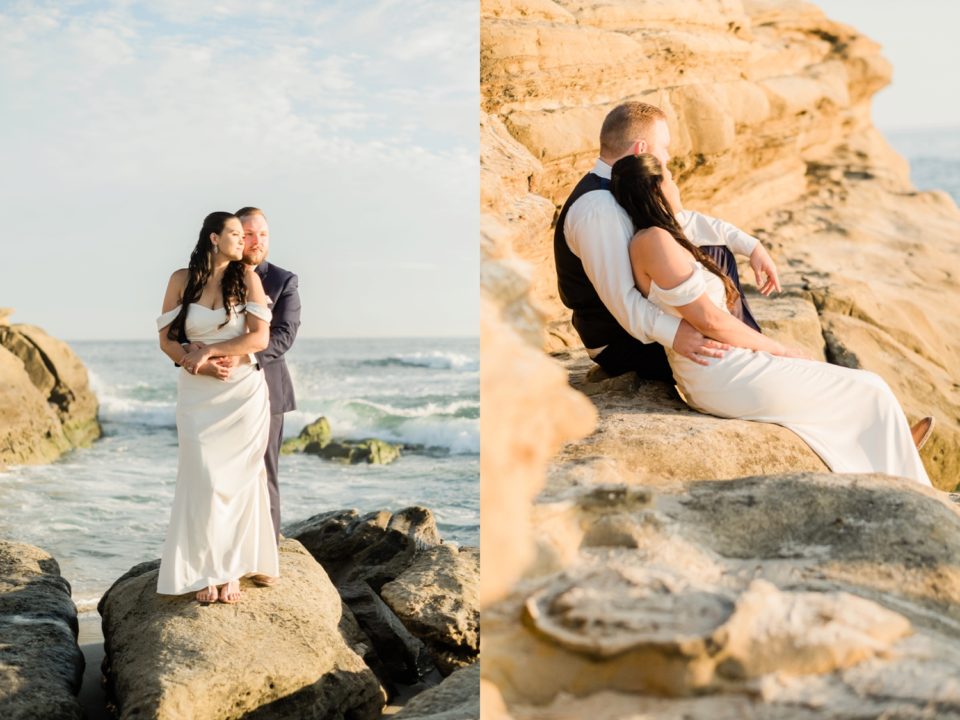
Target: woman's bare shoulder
[654,242]
[653,235]
[179,278]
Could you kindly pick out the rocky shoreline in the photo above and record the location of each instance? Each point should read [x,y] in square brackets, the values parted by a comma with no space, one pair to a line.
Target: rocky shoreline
[635,564]
[46,404]
[368,606]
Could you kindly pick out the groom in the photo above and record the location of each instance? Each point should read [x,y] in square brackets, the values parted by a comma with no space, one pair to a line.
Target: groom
[281,288]
[621,329]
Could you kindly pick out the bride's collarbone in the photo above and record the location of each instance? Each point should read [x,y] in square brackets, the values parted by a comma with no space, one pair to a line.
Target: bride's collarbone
[212,303]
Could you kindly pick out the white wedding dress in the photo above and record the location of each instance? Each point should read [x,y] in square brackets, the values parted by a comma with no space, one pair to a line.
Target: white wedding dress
[850,418]
[220,526]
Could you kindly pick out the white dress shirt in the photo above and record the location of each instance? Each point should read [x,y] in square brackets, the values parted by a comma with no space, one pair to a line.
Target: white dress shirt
[598,231]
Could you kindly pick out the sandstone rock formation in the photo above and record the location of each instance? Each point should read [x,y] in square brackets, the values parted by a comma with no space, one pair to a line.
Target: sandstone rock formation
[415,598]
[769,111]
[46,405]
[648,577]
[800,590]
[41,665]
[278,653]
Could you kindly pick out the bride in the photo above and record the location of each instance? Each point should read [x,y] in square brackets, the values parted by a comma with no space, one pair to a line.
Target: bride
[220,527]
[849,417]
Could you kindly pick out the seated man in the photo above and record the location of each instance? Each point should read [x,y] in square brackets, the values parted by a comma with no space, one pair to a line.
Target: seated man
[617,325]
[621,329]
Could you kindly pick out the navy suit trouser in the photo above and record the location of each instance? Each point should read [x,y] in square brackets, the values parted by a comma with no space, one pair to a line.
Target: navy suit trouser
[271,460]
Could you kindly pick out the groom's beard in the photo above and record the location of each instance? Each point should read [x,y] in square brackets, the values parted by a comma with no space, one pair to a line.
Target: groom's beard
[255,257]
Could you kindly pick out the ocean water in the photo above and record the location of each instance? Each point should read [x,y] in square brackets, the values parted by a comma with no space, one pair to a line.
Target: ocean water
[934,157]
[101,510]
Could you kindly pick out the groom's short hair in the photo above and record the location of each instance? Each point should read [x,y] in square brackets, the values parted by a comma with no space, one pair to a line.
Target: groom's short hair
[625,124]
[248,211]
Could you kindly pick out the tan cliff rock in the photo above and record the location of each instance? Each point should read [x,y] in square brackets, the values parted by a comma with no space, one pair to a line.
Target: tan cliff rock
[769,110]
[279,653]
[46,404]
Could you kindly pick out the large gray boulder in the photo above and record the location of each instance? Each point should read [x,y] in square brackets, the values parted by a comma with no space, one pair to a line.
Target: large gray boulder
[456,698]
[374,548]
[437,597]
[361,553]
[278,653]
[41,665]
[406,589]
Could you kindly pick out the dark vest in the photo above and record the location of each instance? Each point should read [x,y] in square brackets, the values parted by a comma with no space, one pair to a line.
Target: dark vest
[591,319]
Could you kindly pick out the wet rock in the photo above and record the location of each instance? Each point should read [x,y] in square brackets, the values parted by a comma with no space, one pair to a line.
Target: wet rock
[373,451]
[316,435]
[278,653]
[317,439]
[374,548]
[41,665]
[456,698]
[362,553]
[403,657]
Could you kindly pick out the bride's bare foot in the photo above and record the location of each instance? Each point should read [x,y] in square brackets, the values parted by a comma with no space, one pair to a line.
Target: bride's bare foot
[230,592]
[208,594]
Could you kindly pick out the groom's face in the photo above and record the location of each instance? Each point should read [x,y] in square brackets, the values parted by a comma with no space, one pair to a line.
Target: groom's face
[256,239]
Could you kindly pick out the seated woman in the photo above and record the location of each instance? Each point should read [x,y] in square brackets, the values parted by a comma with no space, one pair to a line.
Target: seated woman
[849,417]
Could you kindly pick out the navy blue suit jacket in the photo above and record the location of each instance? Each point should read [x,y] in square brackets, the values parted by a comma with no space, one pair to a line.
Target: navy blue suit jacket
[281,287]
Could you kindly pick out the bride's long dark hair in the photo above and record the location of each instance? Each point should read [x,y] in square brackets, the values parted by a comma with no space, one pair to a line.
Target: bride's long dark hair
[232,286]
[635,183]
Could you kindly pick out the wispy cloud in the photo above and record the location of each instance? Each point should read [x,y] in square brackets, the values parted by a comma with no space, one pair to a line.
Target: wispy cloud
[122,107]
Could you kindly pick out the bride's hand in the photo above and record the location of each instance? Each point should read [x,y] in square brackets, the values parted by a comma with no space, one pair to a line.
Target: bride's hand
[194,360]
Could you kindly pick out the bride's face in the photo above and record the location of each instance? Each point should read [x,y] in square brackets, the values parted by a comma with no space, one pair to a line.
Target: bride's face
[670,191]
[230,242]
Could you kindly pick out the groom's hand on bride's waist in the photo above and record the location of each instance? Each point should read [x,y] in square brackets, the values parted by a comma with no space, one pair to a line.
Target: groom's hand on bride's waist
[215,369]
[693,345]
[227,362]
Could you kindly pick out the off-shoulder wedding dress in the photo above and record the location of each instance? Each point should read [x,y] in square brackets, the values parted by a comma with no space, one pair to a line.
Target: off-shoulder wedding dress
[220,527]
[849,417]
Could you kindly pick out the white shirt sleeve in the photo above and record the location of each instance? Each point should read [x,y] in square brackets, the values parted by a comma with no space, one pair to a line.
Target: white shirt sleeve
[598,232]
[702,229]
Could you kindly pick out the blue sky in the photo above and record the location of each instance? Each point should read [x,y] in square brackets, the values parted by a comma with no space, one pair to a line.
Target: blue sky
[352,124]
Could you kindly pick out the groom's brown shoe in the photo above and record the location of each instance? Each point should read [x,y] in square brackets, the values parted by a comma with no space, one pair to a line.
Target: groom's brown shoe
[921,431]
[264,580]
